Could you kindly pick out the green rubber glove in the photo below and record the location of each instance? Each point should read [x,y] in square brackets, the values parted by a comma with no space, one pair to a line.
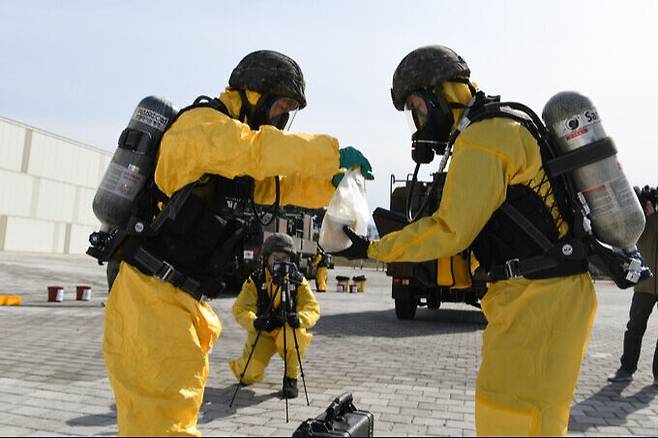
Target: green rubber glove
[351,157]
[337,179]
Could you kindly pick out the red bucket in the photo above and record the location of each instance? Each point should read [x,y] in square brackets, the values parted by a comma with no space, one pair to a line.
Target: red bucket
[55,294]
[83,293]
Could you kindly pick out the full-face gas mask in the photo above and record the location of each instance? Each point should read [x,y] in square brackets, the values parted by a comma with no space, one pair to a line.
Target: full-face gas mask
[430,119]
[270,110]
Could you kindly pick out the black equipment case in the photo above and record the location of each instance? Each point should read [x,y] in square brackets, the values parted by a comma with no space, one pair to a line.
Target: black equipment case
[340,419]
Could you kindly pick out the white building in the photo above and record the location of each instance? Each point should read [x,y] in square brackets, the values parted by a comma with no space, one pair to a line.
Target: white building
[47,184]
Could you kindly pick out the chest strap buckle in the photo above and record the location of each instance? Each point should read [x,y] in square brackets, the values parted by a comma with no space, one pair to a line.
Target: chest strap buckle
[164,271]
[512,269]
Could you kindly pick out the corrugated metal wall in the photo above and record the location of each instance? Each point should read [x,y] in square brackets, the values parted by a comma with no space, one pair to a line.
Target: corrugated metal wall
[47,184]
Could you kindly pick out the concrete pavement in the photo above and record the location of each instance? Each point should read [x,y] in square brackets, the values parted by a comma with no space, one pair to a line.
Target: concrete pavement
[417,377]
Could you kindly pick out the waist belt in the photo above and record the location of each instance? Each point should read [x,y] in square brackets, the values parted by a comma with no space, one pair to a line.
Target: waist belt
[536,268]
[559,259]
[163,271]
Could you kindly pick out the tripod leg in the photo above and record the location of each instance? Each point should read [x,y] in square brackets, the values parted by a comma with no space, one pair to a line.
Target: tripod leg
[237,387]
[285,365]
[301,368]
[253,348]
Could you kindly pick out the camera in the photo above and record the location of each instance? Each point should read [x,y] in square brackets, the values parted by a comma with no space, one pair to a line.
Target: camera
[282,271]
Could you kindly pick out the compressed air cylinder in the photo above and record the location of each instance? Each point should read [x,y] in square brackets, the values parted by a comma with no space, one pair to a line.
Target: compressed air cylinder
[616,213]
[133,161]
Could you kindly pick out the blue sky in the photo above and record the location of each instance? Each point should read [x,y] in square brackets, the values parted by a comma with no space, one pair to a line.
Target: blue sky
[78,68]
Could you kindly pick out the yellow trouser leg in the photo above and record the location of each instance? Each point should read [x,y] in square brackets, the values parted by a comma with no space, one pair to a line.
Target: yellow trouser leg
[303,340]
[532,348]
[156,344]
[263,351]
[321,279]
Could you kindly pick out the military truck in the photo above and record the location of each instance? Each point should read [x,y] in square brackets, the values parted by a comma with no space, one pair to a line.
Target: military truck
[419,284]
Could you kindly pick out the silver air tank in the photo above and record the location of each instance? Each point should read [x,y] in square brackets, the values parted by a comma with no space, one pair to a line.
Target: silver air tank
[617,217]
[133,161]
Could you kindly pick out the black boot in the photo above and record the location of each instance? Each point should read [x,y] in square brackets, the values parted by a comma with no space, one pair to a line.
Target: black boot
[621,375]
[290,388]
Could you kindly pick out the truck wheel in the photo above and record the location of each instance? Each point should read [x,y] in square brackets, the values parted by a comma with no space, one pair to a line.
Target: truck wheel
[434,301]
[405,308]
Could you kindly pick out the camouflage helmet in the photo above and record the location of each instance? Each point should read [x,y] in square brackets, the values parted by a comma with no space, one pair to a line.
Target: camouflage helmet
[426,67]
[278,242]
[270,72]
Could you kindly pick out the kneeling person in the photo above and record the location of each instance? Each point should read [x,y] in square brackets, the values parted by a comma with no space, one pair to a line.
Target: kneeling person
[259,308]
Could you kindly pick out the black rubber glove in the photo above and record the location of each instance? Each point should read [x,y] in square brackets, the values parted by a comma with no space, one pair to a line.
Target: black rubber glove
[359,247]
[262,323]
[293,320]
[276,321]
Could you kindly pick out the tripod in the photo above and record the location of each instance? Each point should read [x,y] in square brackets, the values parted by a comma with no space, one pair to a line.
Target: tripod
[282,283]
[253,348]
[286,304]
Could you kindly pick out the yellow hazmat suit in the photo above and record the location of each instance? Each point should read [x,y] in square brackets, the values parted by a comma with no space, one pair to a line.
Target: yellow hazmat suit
[320,273]
[245,312]
[204,140]
[157,340]
[157,337]
[537,330]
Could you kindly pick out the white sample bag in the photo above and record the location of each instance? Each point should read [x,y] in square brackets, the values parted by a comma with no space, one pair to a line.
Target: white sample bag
[348,206]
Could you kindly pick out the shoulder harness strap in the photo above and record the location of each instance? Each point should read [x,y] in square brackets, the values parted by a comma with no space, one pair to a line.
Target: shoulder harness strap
[562,258]
[206,102]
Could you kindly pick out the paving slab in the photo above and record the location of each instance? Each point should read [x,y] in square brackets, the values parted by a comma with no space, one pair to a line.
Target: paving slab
[417,377]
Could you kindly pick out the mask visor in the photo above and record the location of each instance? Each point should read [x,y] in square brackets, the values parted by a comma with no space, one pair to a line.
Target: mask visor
[417,111]
[279,112]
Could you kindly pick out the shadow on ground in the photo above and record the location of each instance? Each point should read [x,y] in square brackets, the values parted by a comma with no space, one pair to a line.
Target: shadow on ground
[618,407]
[103,420]
[216,402]
[215,406]
[384,323]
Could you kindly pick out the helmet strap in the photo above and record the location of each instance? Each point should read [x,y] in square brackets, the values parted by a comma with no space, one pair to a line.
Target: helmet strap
[245,107]
[254,115]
